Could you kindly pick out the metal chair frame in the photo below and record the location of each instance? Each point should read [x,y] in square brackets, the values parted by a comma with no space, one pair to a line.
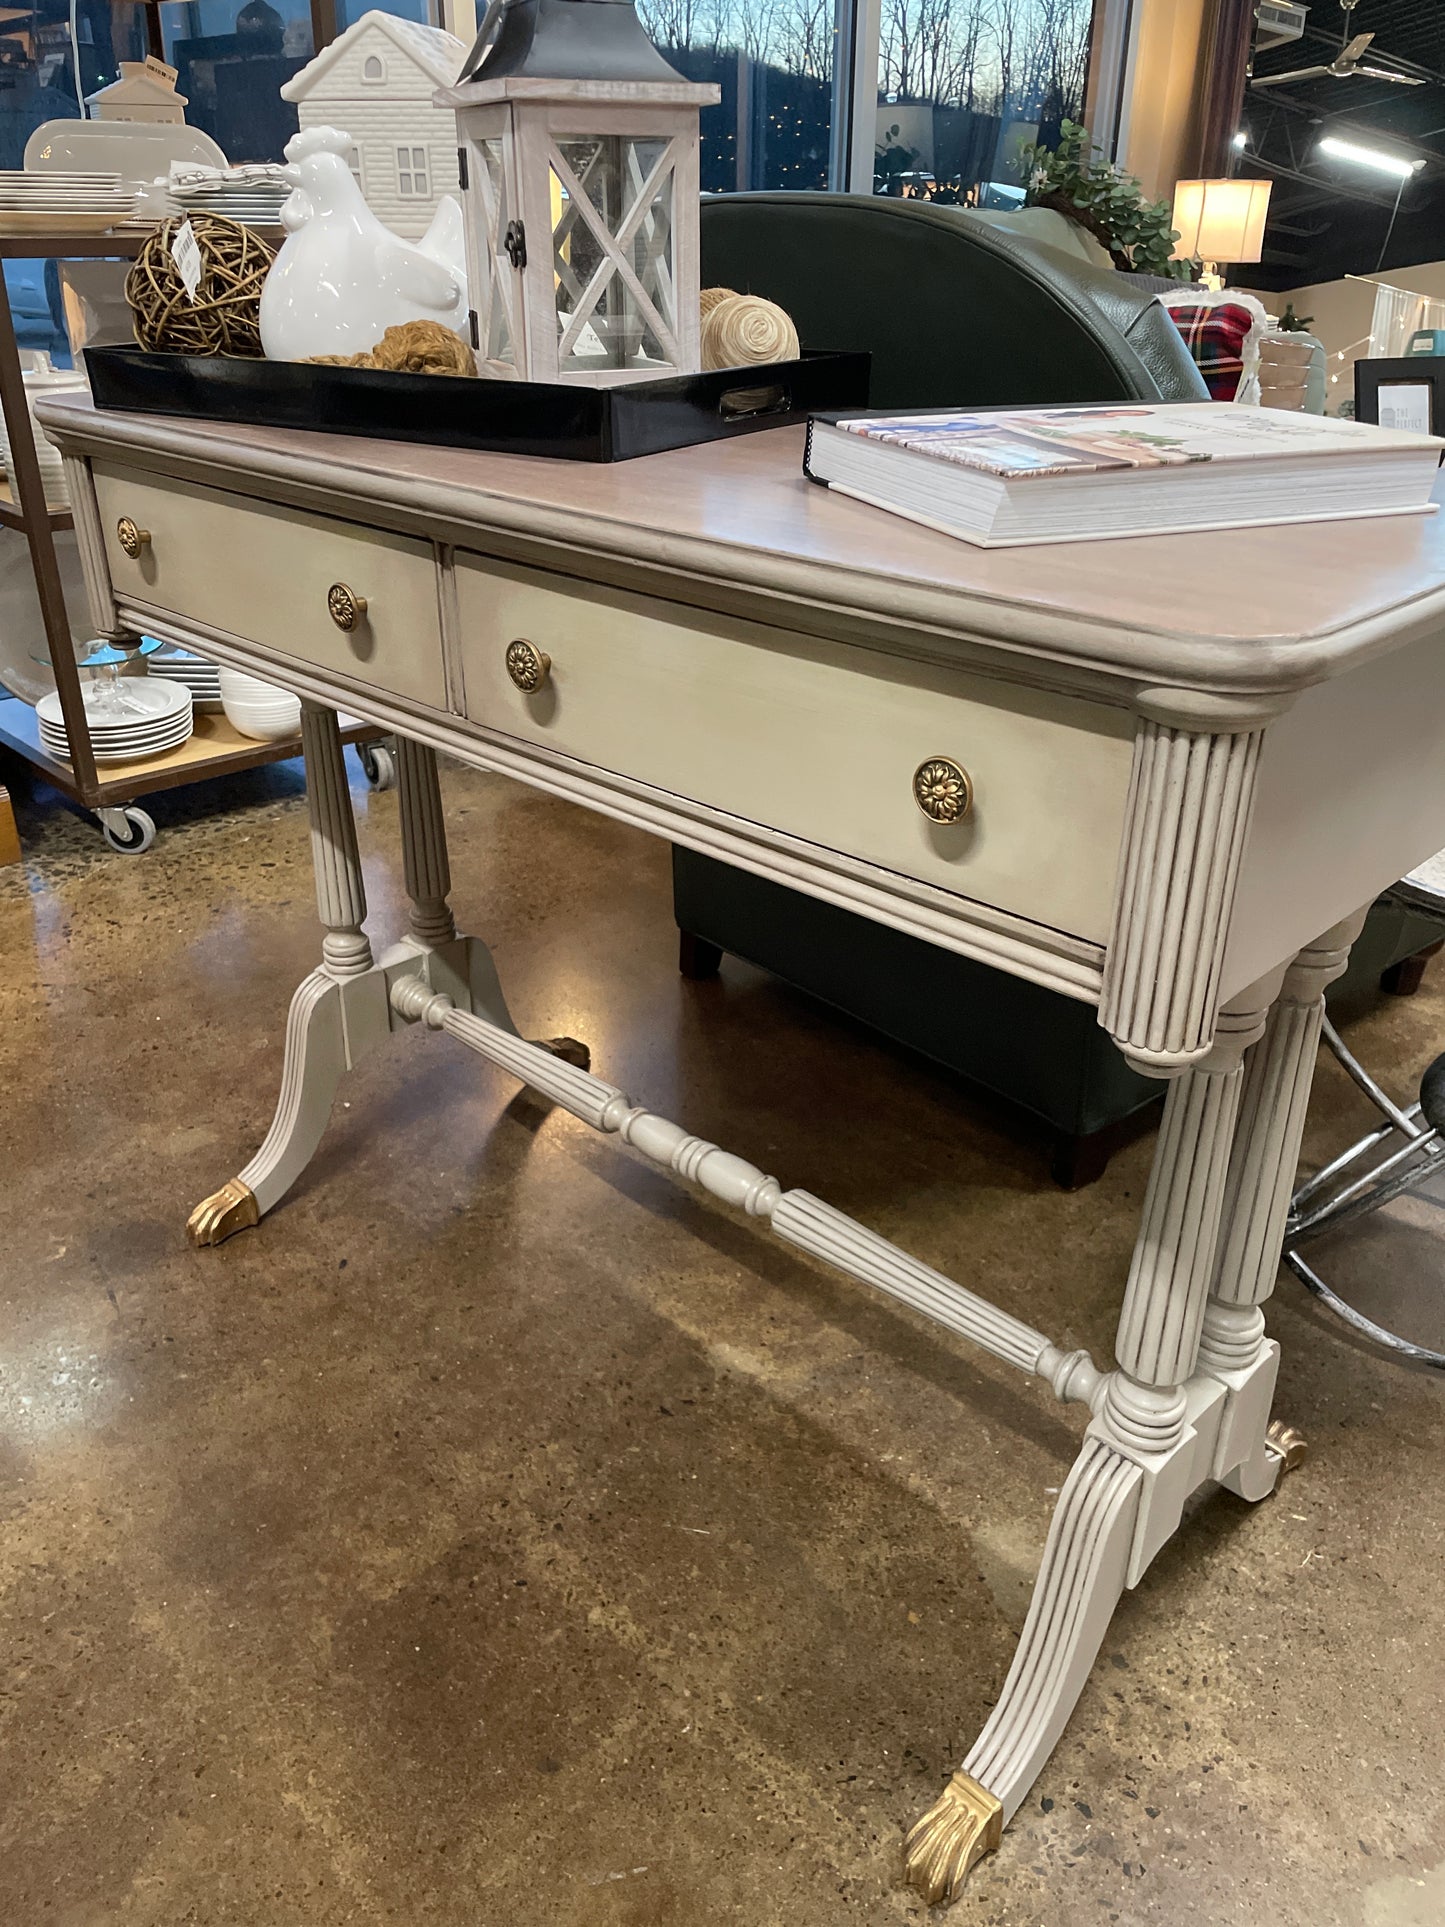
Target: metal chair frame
[1400,1153]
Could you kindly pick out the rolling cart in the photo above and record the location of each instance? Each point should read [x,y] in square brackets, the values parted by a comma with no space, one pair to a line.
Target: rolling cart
[215,749]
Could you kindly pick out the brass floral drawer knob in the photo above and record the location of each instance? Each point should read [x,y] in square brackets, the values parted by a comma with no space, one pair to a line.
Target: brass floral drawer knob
[344,606]
[131,538]
[943,790]
[527,665]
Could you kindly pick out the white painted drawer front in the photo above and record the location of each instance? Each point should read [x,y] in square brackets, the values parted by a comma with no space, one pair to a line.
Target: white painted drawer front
[261,572]
[815,738]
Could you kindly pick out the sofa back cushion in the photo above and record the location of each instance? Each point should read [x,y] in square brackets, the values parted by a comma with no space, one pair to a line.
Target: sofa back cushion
[953,311]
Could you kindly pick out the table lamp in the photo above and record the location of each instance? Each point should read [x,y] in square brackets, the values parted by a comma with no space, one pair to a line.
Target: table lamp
[1220,221]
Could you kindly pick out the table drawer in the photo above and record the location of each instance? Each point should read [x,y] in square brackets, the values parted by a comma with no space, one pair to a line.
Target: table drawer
[263,572]
[816,738]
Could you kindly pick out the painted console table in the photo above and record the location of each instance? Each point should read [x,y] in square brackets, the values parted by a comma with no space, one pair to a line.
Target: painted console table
[1162,776]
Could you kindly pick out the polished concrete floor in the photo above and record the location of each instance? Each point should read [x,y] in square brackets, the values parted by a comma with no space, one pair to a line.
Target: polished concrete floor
[500,1536]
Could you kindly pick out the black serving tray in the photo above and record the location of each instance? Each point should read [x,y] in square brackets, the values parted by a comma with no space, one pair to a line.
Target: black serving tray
[578,424]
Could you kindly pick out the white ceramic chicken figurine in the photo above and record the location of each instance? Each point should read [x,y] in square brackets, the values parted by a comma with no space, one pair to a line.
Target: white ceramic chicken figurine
[342,278]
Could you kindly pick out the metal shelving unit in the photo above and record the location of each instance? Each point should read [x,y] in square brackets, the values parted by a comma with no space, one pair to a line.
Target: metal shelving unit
[216,749]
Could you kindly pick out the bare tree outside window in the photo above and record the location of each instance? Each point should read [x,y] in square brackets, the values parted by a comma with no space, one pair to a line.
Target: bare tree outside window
[963,86]
[773,60]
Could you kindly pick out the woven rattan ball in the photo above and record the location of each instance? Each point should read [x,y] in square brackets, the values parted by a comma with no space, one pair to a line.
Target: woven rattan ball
[224,317]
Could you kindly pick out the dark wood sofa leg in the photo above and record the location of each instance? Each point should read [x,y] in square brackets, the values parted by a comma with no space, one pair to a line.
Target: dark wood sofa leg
[1403,979]
[1078,1161]
[697,959]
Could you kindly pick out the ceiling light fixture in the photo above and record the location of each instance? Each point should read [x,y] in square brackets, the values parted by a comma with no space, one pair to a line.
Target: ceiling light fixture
[1392,164]
[1240,142]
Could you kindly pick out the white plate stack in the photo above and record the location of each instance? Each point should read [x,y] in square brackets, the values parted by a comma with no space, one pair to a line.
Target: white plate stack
[32,202]
[257,708]
[129,717]
[201,677]
[40,381]
[253,194]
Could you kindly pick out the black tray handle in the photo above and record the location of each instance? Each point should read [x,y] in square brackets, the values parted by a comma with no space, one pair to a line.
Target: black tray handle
[743,404]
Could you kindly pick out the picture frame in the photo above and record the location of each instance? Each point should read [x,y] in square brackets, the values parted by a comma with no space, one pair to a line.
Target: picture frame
[1402,391]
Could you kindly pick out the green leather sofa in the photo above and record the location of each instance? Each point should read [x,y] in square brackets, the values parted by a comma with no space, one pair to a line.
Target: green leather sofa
[954,311]
[952,308]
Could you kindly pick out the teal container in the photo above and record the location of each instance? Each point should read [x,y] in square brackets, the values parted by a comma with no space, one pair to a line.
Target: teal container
[1426,341]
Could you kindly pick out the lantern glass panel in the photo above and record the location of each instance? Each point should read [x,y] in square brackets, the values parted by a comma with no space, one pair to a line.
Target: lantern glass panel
[612,249]
[497,344]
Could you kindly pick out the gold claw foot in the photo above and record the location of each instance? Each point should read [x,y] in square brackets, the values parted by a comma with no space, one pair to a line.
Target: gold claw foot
[569,1050]
[232,1208]
[957,1831]
[1287,1445]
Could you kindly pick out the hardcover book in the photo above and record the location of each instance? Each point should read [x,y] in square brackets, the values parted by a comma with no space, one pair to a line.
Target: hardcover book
[1127,468]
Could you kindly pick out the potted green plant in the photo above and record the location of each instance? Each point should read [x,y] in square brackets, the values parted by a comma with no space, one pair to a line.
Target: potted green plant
[1075,180]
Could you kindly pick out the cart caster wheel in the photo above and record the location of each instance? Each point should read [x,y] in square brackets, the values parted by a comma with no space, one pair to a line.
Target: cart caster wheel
[378,765]
[129,830]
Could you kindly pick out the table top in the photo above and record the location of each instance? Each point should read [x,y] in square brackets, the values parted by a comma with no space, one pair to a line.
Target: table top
[1254,610]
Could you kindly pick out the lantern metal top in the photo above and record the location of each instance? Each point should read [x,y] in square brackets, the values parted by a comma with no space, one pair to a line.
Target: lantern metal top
[564,40]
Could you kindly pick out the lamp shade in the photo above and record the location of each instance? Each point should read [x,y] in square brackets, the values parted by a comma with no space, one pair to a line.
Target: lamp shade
[1220,220]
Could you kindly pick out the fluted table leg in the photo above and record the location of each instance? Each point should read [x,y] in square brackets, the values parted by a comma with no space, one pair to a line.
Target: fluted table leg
[1173,1262]
[340,892]
[1262,1168]
[424,842]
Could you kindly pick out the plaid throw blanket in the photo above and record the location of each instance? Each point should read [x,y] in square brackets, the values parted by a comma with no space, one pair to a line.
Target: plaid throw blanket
[1215,337]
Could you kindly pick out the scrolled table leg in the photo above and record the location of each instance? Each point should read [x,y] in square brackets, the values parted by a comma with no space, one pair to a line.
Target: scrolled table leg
[1126,1489]
[320,1041]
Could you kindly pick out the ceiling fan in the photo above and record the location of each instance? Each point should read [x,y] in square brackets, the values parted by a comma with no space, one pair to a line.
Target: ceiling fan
[1345,64]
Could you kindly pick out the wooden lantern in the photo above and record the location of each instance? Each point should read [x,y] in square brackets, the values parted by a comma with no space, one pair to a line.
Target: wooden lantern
[578,150]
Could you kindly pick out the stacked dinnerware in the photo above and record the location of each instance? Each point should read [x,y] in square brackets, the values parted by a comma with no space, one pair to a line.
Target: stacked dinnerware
[253,194]
[35,202]
[44,380]
[128,717]
[257,708]
[201,677]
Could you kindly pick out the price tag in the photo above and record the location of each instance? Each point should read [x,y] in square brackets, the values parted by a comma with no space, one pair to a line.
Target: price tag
[186,253]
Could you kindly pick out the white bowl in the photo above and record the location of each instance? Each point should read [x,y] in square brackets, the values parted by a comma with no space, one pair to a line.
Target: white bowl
[251,689]
[270,731]
[259,722]
[263,712]
[266,726]
[259,709]
[282,706]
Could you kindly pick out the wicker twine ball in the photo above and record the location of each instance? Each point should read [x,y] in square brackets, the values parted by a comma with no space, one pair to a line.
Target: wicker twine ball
[224,318]
[710,297]
[745,331]
[411,348]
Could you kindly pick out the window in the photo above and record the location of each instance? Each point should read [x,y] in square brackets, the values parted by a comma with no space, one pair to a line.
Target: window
[427,13]
[773,60]
[412,173]
[963,87]
[928,97]
[353,161]
[233,62]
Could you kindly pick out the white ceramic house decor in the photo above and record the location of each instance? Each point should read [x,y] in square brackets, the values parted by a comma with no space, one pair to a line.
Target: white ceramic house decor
[378,80]
[146,91]
[579,151]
